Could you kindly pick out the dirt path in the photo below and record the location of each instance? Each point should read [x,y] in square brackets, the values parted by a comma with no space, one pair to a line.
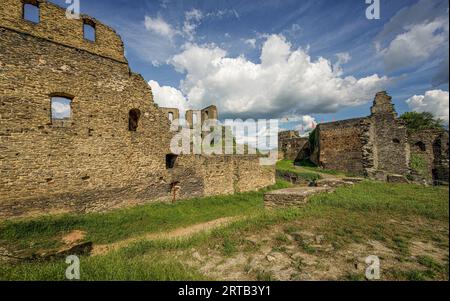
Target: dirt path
[174,234]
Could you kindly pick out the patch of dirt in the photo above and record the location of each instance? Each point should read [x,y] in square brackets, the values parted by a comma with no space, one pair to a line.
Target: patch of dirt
[419,248]
[302,255]
[74,237]
[175,234]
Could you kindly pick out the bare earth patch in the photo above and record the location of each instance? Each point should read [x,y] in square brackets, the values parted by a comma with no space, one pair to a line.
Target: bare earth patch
[302,255]
[74,237]
[177,233]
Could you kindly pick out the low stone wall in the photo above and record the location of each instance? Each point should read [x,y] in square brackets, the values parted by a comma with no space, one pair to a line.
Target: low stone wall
[194,175]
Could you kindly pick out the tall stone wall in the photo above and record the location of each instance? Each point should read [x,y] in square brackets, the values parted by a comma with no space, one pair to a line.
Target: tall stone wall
[95,151]
[100,158]
[340,146]
[390,140]
[56,27]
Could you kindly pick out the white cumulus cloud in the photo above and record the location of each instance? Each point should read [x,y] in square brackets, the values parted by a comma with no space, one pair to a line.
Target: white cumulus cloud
[168,97]
[416,45]
[434,101]
[160,26]
[286,81]
[60,108]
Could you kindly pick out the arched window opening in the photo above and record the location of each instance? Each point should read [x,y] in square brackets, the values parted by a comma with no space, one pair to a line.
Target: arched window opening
[31,11]
[89,30]
[61,109]
[420,146]
[170,161]
[133,119]
[170,116]
[396,141]
[206,115]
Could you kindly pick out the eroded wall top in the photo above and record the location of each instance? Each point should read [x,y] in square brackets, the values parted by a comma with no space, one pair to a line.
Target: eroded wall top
[54,25]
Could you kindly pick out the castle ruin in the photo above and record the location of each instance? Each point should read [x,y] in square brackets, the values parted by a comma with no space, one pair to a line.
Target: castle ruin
[378,146]
[113,148]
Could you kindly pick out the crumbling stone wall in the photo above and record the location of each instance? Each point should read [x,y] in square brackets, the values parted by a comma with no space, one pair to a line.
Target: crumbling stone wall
[171,113]
[220,174]
[339,146]
[56,27]
[441,159]
[429,156]
[376,146]
[390,139]
[93,161]
[289,144]
[202,115]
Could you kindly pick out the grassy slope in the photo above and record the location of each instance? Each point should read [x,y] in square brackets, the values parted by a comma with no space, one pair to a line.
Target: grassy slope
[350,215]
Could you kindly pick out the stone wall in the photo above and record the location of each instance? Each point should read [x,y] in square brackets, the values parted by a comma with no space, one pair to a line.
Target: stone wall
[390,140]
[430,148]
[101,157]
[376,146]
[339,146]
[441,159]
[56,27]
[171,113]
[290,147]
[202,115]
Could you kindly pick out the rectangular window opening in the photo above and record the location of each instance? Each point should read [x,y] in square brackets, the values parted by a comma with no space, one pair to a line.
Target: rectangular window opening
[31,12]
[89,31]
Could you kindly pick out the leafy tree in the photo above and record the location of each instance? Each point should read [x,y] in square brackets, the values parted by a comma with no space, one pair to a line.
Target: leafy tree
[421,121]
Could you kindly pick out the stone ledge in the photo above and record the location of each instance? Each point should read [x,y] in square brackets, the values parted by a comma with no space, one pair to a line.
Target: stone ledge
[292,197]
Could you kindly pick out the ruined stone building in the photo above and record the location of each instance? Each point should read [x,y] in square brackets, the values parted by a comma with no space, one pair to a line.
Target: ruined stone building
[289,144]
[112,149]
[379,146]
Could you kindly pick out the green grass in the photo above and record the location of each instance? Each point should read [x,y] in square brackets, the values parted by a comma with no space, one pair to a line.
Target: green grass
[285,167]
[114,266]
[108,227]
[419,164]
[308,165]
[350,215]
[373,197]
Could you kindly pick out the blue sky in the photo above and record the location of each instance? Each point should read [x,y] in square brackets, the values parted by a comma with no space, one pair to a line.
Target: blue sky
[269,58]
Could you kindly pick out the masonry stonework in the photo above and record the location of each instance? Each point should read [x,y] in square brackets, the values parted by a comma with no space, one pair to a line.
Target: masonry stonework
[95,160]
[379,146]
[289,142]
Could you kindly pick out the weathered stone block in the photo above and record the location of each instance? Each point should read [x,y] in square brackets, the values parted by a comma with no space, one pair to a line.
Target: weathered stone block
[397,179]
[292,197]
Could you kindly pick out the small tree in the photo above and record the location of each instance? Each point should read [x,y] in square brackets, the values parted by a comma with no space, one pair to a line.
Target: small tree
[421,121]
